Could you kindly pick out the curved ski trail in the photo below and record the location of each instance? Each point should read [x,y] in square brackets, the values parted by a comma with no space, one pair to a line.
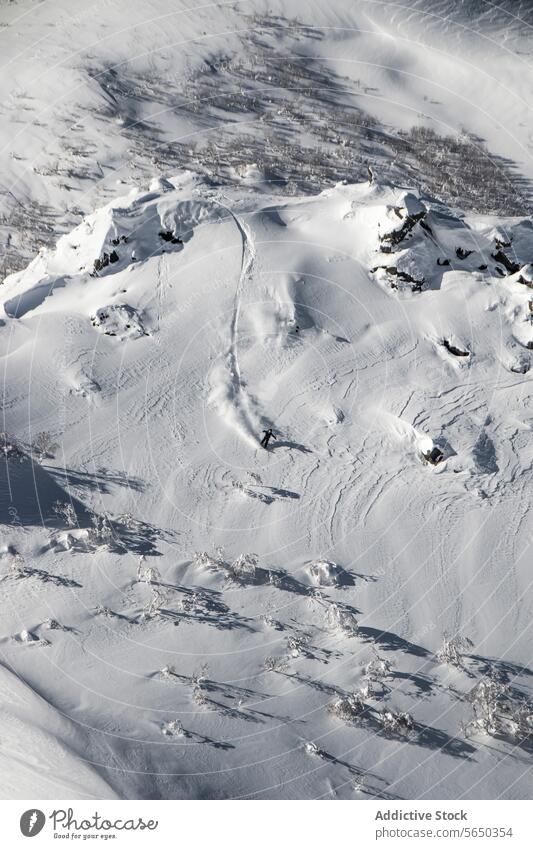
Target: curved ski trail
[246,420]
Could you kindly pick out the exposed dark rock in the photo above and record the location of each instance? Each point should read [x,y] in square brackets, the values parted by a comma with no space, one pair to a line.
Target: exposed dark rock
[501,244]
[389,240]
[434,456]
[416,285]
[525,281]
[113,257]
[102,262]
[461,253]
[168,236]
[443,261]
[457,352]
[502,258]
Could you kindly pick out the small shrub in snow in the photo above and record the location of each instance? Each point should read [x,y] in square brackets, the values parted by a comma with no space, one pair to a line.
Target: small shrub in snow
[10,448]
[348,708]
[199,698]
[17,567]
[312,749]
[338,618]
[147,574]
[101,610]
[298,644]
[205,560]
[272,623]
[66,512]
[275,664]
[377,668]
[128,521]
[375,673]
[174,728]
[101,534]
[452,650]
[395,723]
[499,711]
[199,677]
[324,573]
[359,783]
[44,445]
[167,673]
[156,603]
[244,567]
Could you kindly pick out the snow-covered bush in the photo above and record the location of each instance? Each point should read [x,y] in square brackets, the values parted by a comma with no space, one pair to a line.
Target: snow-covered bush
[375,673]
[53,625]
[17,566]
[499,711]
[377,668]
[349,708]
[312,749]
[44,445]
[158,599]
[66,512]
[298,644]
[173,728]
[127,520]
[167,673]
[275,664]
[10,447]
[101,534]
[102,610]
[452,650]
[340,619]
[199,698]
[240,570]
[324,573]
[244,567]
[395,723]
[270,622]
[147,574]
[213,562]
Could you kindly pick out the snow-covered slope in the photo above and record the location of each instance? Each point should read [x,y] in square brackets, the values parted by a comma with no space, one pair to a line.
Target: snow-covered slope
[199,253]
[216,607]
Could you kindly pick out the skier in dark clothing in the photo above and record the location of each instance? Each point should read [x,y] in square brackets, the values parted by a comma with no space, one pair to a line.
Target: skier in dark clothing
[268,434]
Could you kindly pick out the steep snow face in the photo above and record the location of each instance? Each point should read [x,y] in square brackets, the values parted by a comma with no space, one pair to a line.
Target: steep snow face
[193,616]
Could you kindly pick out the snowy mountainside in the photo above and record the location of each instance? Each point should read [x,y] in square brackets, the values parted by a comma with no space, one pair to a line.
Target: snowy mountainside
[188,615]
[304,94]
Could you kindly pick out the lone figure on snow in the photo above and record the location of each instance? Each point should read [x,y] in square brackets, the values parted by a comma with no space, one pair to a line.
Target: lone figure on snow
[268,434]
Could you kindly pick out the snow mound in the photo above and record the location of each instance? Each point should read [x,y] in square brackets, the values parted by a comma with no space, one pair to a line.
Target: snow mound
[119,320]
[324,573]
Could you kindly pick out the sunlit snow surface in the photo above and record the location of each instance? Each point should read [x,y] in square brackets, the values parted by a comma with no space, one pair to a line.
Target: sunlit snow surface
[186,615]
